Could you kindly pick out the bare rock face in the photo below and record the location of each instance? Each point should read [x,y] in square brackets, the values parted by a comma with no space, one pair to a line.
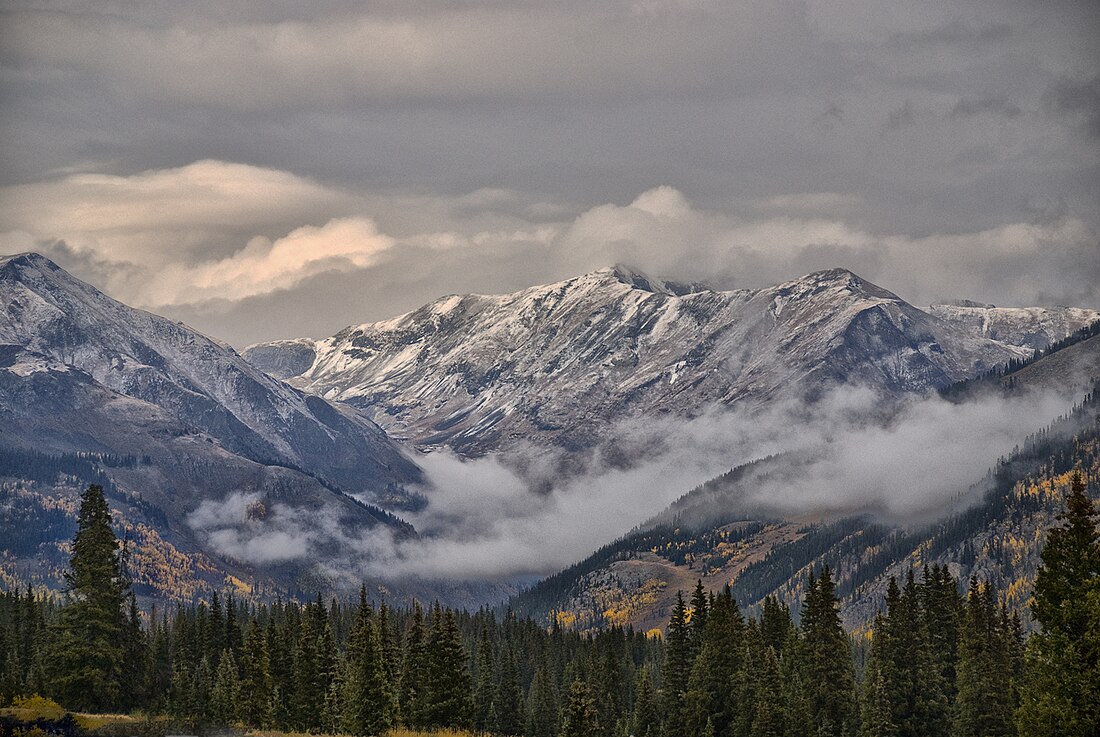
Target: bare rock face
[558,363]
[1033,327]
[201,383]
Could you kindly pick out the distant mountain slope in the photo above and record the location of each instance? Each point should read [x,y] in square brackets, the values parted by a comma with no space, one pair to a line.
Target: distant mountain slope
[1068,367]
[1034,327]
[995,533]
[635,580]
[200,382]
[226,476]
[559,363]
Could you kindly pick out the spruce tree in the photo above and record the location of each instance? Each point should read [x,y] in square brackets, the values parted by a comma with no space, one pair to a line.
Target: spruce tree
[413,694]
[776,625]
[136,658]
[509,696]
[826,660]
[369,702]
[699,611]
[86,664]
[984,702]
[709,695]
[225,695]
[484,685]
[308,686]
[768,706]
[580,718]
[647,718]
[256,690]
[542,706]
[449,693]
[677,670]
[1060,690]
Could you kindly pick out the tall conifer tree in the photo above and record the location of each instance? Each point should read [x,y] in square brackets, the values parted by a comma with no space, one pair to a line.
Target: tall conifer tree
[86,664]
[826,660]
[1060,693]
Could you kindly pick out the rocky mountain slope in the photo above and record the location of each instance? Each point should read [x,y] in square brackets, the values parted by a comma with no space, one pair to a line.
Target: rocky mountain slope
[219,472]
[995,531]
[560,363]
[54,318]
[1034,327]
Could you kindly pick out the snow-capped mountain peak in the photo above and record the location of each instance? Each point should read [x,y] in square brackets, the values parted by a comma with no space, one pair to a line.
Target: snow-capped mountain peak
[203,382]
[559,361]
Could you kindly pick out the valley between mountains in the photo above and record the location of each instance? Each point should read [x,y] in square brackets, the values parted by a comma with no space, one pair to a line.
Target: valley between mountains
[680,432]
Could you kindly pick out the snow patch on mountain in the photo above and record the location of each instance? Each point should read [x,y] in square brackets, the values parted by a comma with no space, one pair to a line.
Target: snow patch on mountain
[560,362]
[1033,327]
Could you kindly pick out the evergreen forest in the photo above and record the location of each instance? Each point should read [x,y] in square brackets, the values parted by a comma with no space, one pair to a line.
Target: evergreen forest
[944,657]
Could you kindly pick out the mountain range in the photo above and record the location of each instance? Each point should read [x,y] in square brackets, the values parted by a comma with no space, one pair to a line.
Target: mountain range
[559,364]
[86,381]
[266,471]
[993,530]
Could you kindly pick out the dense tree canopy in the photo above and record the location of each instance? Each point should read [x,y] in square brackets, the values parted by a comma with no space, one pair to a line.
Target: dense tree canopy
[938,662]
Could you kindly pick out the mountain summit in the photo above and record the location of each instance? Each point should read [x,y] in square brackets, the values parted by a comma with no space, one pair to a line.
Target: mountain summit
[201,382]
[561,361]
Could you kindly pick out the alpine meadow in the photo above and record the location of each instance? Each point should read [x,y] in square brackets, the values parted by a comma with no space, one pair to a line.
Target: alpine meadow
[487,368]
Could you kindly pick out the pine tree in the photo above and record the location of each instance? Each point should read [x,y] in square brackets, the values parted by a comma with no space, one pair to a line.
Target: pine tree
[225,695]
[256,689]
[542,706]
[1060,690]
[449,697]
[580,718]
[826,660]
[369,702]
[87,658]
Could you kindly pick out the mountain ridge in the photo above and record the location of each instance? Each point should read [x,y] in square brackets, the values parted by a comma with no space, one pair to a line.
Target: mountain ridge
[560,363]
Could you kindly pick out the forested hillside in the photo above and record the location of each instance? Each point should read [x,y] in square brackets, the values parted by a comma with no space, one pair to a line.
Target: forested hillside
[935,661]
[995,532]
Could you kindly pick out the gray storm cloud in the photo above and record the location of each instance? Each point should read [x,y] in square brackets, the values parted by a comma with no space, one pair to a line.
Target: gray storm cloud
[492,140]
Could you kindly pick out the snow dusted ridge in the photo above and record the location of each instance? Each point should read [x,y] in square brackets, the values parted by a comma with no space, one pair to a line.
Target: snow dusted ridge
[561,361]
[203,383]
[1034,327]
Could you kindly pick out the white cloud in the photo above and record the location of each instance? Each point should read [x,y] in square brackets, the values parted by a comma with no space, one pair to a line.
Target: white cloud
[265,266]
[217,233]
[908,463]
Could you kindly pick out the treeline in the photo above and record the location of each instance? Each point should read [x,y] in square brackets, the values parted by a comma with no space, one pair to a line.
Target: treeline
[938,662]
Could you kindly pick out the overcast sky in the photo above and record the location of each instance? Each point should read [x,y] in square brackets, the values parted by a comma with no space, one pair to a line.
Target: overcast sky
[273,169]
